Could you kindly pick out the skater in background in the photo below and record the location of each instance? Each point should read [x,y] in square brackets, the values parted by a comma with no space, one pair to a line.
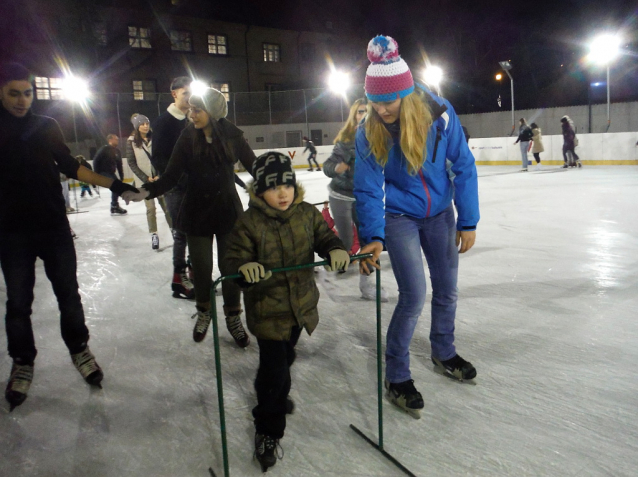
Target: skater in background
[206,153]
[340,167]
[108,159]
[524,137]
[35,225]
[166,130]
[537,144]
[84,186]
[312,156]
[570,158]
[138,156]
[417,214]
[279,306]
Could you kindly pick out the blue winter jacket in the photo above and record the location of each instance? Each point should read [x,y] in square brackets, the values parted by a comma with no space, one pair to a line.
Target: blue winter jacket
[425,194]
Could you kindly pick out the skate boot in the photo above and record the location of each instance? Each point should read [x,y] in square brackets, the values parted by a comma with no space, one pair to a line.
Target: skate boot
[154,241]
[235,327]
[579,164]
[117,210]
[368,288]
[565,166]
[182,286]
[290,406]
[201,326]
[456,368]
[405,396]
[267,451]
[85,363]
[19,383]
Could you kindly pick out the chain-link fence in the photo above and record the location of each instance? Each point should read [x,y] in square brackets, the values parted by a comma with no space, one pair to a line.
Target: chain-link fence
[110,113]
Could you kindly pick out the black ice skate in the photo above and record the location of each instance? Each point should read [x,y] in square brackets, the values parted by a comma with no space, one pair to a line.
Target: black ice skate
[236,329]
[201,326]
[267,451]
[405,396]
[456,368]
[18,385]
[85,363]
[182,286]
[117,210]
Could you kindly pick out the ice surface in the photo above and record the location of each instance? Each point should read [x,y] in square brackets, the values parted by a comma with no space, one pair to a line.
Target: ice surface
[547,314]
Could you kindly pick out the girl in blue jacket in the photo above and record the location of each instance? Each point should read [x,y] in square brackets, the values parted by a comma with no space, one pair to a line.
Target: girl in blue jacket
[404,198]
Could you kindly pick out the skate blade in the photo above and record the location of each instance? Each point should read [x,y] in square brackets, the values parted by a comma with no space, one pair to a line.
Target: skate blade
[413,413]
[444,372]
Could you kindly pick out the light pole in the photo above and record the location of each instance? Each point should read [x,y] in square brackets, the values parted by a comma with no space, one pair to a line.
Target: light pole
[506,66]
[339,83]
[603,50]
[432,75]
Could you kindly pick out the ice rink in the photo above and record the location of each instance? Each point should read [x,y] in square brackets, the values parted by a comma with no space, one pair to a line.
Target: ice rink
[547,313]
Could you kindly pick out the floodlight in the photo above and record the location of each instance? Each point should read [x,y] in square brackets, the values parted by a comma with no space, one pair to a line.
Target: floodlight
[604,49]
[198,88]
[339,82]
[433,75]
[505,65]
[75,89]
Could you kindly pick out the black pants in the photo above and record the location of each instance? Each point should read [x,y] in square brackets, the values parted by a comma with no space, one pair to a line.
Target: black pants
[114,195]
[18,253]
[174,199]
[537,156]
[313,157]
[273,384]
[567,149]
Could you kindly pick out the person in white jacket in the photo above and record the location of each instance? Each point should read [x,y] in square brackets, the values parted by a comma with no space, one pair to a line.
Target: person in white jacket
[138,155]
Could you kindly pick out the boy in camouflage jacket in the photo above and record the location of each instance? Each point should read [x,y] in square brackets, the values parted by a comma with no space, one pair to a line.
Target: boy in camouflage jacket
[278,230]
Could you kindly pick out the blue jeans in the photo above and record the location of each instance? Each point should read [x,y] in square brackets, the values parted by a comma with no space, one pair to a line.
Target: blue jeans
[18,253]
[114,196]
[524,148]
[405,238]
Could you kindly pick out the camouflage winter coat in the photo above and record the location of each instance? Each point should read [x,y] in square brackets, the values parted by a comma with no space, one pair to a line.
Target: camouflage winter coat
[279,239]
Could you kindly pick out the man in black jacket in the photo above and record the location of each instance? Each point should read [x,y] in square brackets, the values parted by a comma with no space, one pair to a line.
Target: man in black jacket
[33,224]
[107,160]
[166,130]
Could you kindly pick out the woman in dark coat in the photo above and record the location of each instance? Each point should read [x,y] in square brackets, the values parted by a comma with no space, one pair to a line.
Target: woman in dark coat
[206,152]
[569,143]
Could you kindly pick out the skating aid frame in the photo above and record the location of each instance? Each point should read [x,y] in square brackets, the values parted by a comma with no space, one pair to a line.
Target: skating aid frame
[218,370]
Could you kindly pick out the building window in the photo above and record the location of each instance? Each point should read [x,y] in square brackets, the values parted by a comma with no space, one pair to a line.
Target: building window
[139,37]
[218,44]
[144,90]
[272,52]
[48,88]
[181,40]
[223,87]
[99,33]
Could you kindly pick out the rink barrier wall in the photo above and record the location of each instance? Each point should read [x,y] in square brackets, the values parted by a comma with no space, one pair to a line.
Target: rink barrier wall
[600,149]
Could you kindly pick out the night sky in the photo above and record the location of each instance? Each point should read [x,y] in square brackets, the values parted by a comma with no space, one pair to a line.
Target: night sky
[545,41]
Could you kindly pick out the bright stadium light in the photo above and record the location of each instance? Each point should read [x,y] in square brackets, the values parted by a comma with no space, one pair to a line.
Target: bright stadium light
[603,50]
[498,77]
[75,89]
[433,75]
[339,82]
[198,88]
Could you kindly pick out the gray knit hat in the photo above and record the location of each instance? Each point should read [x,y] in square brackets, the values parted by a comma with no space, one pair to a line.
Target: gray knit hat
[138,120]
[213,102]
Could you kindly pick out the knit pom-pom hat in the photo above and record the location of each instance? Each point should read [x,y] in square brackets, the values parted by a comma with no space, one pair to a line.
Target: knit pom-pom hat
[388,77]
[213,102]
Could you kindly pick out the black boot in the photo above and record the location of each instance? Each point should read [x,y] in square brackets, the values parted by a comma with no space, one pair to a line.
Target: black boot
[266,451]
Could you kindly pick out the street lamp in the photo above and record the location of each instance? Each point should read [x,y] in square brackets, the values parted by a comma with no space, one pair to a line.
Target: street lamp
[198,88]
[339,82]
[506,66]
[603,50]
[432,75]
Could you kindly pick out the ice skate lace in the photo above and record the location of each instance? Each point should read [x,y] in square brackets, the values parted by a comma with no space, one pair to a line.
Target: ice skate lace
[203,320]
[236,329]
[21,377]
[270,444]
[85,363]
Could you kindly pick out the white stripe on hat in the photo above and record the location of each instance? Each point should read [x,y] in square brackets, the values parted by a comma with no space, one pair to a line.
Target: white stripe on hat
[390,69]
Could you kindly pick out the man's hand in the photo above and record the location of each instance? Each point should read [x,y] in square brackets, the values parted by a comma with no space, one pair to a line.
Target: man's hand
[375,248]
[466,239]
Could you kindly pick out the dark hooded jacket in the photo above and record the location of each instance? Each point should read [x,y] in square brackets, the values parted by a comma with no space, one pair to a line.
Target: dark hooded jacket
[341,183]
[211,204]
[278,239]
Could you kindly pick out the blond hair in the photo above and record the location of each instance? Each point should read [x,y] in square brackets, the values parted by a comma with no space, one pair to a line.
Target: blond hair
[346,134]
[415,118]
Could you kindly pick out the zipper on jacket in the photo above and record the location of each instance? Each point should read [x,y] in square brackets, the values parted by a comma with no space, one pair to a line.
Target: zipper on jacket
[436,143]
[427,193]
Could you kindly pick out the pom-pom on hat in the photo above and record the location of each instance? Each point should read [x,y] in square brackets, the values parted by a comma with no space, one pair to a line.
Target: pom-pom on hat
[213,102]
[388,77]
[272,169]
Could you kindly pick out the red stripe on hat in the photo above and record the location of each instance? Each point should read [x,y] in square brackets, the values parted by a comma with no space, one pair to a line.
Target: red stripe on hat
[388,84]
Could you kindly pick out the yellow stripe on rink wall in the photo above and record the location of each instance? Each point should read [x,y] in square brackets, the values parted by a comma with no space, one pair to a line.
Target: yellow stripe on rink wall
[620,162]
